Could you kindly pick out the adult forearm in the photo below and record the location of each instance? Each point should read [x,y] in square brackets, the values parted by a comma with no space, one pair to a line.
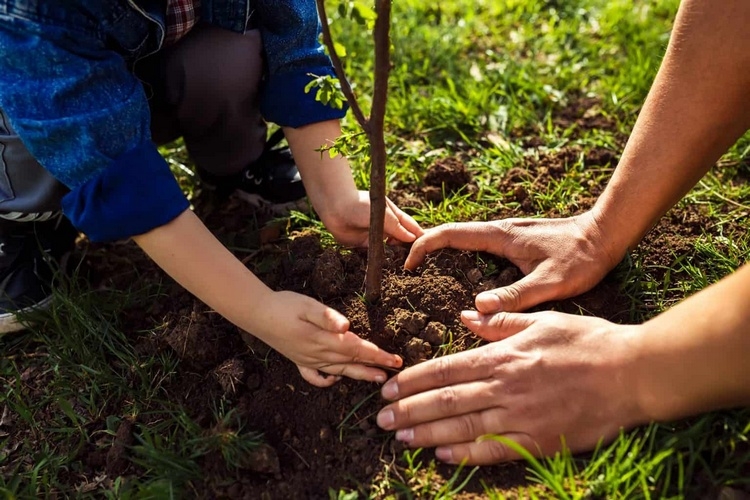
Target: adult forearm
[694,357]
[187,251]
[697,108]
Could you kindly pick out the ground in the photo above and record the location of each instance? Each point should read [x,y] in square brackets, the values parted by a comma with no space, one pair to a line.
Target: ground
[131,388]
[321,439]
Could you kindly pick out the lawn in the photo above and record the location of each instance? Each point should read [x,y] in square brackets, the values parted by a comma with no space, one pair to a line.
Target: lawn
[130,388]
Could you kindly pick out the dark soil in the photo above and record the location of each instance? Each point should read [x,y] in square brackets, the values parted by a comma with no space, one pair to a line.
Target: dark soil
[327,438]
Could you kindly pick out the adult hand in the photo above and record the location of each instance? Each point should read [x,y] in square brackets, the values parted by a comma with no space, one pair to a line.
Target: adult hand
[349,222]
[547,375]
[560,257]
[317,338]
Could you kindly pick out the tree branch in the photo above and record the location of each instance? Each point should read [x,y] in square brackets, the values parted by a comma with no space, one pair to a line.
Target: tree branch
[338,67]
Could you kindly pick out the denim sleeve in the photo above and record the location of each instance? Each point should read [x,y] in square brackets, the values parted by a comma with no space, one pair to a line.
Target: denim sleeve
[290,31]
[85,118]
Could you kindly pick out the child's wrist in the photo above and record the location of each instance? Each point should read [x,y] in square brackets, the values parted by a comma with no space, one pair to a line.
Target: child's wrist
[334,207]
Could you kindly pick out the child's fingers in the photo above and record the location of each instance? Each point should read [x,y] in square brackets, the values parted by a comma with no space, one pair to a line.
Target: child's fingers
[315,378]
[349,348]
[357,372]
[324,317]
[404,220]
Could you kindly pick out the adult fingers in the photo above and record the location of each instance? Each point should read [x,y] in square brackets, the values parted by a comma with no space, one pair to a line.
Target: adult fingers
[314,377]
[475,364]
[532,289]
[496,326]
[464,402]
[476,236]
[488,450]
[400,226]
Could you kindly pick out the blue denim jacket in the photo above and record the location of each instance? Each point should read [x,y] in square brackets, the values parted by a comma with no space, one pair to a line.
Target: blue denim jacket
[66,86]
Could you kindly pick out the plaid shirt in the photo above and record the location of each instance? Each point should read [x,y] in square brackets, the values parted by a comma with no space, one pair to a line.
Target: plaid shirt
[182,15]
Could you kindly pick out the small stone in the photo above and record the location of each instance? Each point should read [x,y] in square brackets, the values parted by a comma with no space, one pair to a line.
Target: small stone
[474,276]
[325,433]
[364,425]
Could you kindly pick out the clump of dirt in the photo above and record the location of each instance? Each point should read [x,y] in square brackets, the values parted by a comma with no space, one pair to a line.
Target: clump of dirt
[117,460]
[434,333]
[448,173]
[445,176]
[230,375]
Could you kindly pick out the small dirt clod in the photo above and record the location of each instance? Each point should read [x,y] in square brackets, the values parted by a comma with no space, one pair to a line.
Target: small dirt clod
[434,333]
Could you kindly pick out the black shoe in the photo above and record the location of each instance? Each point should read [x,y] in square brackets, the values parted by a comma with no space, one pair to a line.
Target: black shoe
[30,253]
[270,181]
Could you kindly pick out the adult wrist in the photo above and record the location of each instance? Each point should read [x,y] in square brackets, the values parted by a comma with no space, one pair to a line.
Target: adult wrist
[663,393]
[601,234]
[636,406]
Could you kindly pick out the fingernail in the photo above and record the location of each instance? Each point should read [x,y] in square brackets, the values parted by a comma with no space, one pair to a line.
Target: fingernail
[444,454]
[390,390]
[397,361]
[380,379]
[405,435]
[385,419]
[470,317]
[488,302]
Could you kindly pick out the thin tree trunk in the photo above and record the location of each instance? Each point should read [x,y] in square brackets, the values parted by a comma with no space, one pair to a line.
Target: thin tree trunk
[373,128]
[375,251]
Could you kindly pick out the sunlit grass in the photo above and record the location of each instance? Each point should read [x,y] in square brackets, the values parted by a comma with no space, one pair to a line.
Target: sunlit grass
[472,79]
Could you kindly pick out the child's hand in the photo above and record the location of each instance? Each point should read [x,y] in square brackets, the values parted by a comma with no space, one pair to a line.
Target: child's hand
[350,223]
[316,338]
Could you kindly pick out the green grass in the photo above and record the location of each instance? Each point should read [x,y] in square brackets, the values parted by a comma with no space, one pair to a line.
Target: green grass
[470,79]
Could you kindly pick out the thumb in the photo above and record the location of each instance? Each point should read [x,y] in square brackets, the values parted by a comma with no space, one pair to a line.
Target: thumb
[496,326]
[519,296]
[325,317]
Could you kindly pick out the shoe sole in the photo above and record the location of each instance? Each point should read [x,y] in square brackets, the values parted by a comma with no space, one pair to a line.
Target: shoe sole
[276,208]
[10,323]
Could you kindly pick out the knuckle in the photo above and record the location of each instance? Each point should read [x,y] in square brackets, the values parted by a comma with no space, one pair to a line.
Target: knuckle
[448,400]
[512,296]
[467,427]
[496,452]
[502,227]
[443,370]
[355,353]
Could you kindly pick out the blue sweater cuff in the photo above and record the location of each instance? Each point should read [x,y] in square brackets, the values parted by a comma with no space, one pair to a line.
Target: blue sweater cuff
[134,195]
[285,102]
